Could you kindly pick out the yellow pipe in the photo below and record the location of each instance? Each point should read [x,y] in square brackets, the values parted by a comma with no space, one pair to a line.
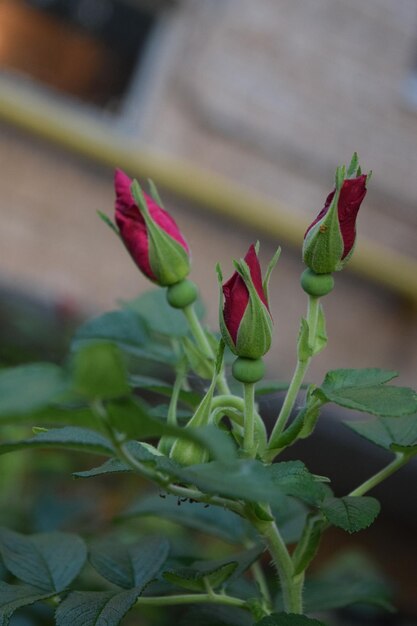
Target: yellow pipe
[97,140]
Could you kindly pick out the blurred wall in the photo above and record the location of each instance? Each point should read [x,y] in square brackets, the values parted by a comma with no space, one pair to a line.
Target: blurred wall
[273,95]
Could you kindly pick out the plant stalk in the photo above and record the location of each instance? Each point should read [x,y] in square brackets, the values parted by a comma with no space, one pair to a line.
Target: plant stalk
[292,586]
[249,419]
[298,376]
[192,598]
[203,343]
[401,458]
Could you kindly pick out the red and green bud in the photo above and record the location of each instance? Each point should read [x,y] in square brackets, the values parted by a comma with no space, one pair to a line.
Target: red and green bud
[149,233]
[329,241]
[245,318]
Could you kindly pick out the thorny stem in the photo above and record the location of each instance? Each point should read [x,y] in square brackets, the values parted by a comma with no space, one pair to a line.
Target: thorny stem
[291,585]
[203,343]
[401,458]
[298,376]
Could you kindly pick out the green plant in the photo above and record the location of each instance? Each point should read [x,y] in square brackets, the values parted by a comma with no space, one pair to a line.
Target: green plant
[206,450]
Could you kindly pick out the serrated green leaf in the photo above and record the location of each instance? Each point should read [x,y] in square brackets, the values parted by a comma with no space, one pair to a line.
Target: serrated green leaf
[218,573]
[244,479]
[290,515]
[327,594]
[392,434]
[13,597]
[69,437]
[387,401]
[158,315]
[126,329]
[351,513]
[99,371]
[207,519]
[49,561]
[364,390]
[140,451]
[95,608]
[365,377]
[293,479]
[29,388]
[194,579]
[129,565]
[288,619]
[306,548]
[349,579]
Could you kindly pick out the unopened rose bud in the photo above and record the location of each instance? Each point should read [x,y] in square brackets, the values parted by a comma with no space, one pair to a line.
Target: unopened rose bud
[329,241]
[245,319]
[150,234]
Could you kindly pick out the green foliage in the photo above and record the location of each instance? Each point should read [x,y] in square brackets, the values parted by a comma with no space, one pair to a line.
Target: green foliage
[48,561]
[99,371]
[158,316]
[28,388]
[95,608]
[294,479]
[398,434]
[129,565]
[351,513]
[126,329]
[69,438]
[364,390]
[195,515]
[216,573]
[350,579]
[106,402]
[13,597]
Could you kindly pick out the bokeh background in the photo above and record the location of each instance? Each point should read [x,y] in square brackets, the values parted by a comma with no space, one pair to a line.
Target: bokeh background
[240,111]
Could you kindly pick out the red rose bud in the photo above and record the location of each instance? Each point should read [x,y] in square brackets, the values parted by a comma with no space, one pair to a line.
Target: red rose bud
[329,241]
[245,319]
[149,233]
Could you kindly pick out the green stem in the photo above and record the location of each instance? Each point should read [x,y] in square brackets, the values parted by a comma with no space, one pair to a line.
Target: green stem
[260,580]
[401,458]
[249,423]
[176,490]
[192,598]
[172,408]
[298,376]
[203,343]
[292,586]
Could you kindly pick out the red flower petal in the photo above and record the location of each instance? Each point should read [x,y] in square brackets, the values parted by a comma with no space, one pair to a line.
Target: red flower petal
[351,196]
[236,294]
[132,224]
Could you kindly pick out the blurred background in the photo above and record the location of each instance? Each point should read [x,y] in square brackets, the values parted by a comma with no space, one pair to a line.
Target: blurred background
[240,112]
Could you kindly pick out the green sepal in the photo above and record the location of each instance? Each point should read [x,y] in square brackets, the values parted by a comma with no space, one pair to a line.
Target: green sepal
[309,543]
[307,348]
[272,263]
[169,261]
[323,245]
[189,453]
[198,361]
[108,221]
[223,328]
[254,336]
